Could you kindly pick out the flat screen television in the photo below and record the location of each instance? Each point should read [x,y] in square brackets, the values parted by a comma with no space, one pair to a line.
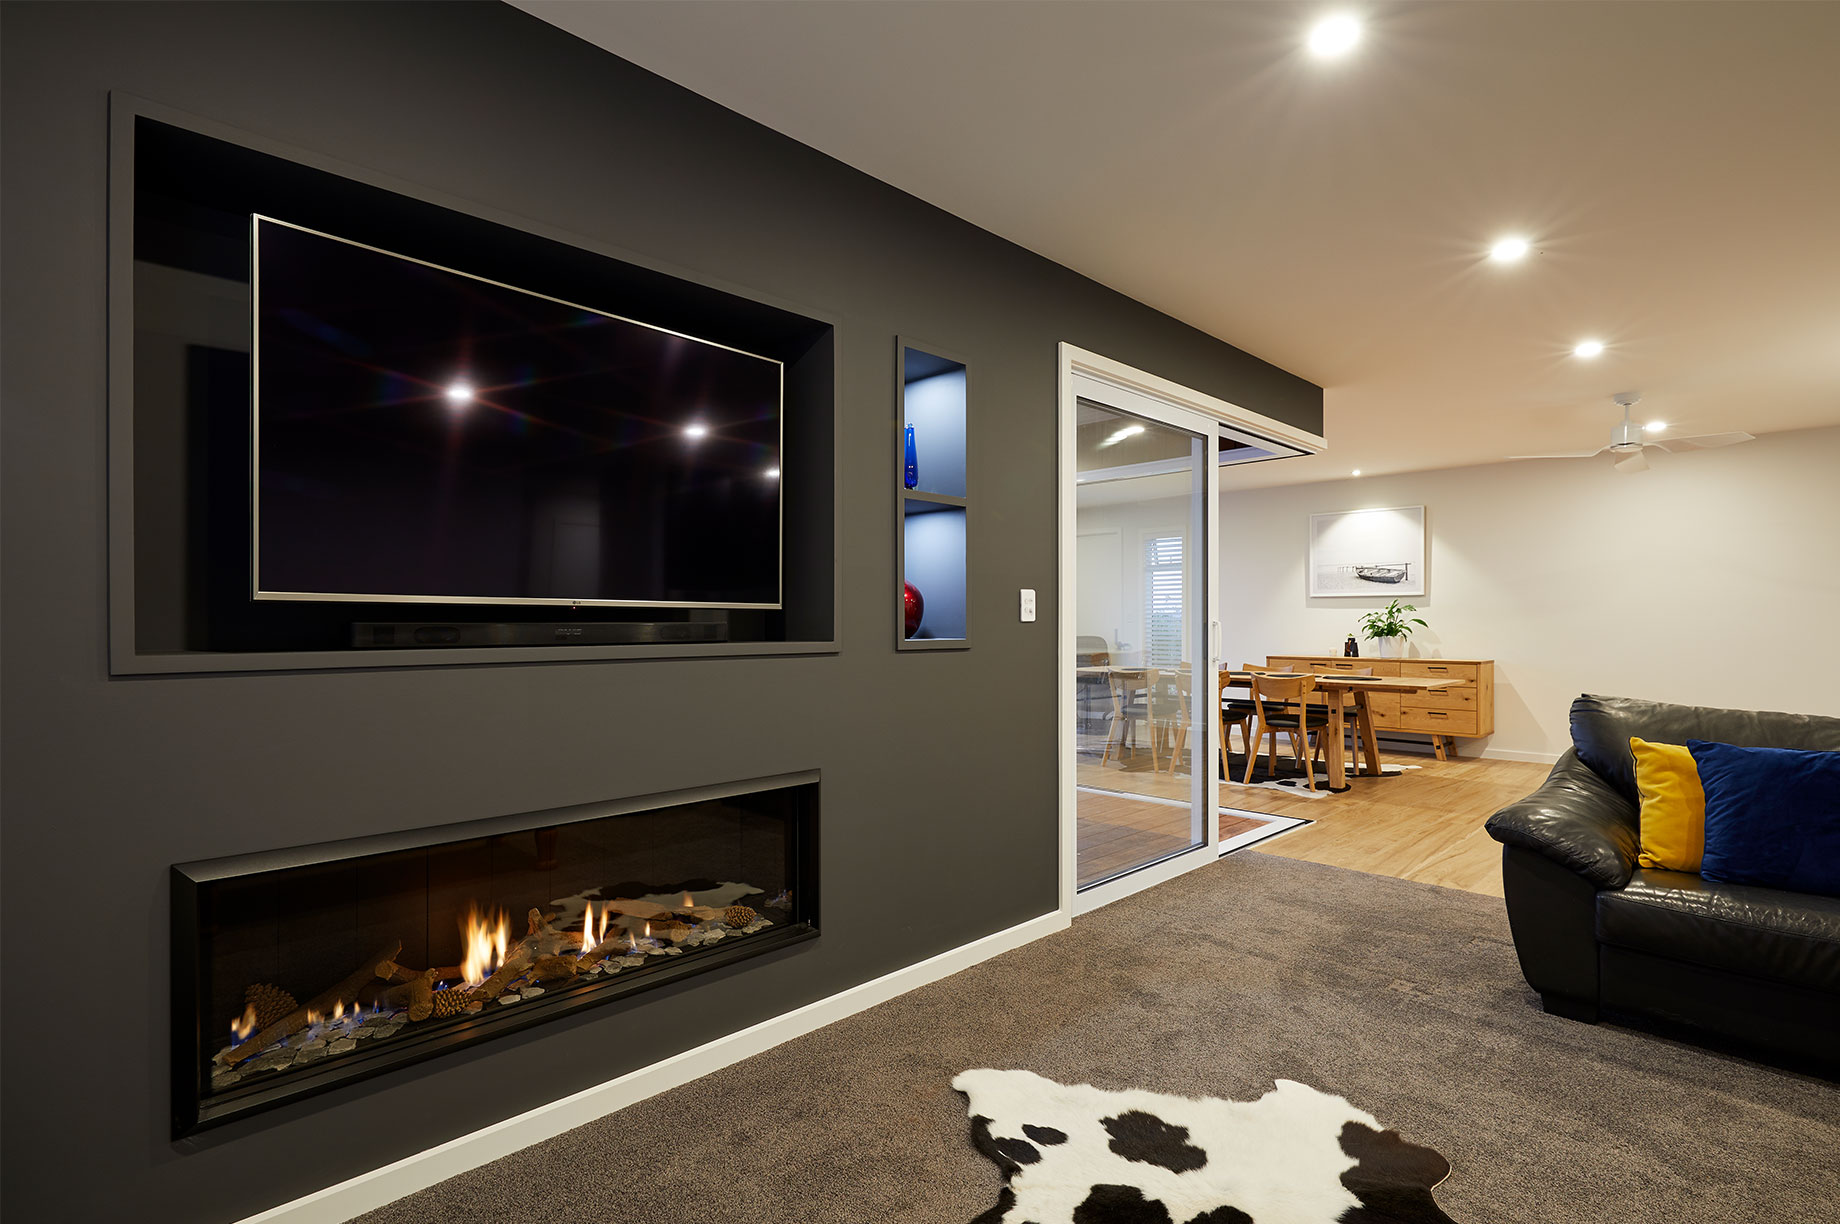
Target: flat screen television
[422,435]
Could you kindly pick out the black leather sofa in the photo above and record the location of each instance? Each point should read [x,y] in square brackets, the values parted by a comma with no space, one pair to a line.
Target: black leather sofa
[1596,934]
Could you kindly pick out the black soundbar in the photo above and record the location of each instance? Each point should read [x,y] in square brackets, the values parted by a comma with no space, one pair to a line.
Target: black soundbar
[412,634]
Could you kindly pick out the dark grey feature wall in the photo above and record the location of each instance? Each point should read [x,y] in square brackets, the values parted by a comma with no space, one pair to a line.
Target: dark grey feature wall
[938,769]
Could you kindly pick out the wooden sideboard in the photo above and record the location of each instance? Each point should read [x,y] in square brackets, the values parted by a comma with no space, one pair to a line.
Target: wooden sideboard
[1460,711]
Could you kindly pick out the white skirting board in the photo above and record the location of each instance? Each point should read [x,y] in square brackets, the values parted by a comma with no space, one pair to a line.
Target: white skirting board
[1515,754]
[369,1191]
[1392,743]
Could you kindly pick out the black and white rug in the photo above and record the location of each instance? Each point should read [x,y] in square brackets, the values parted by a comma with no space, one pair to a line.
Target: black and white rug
[1290,777]
[1075,1154]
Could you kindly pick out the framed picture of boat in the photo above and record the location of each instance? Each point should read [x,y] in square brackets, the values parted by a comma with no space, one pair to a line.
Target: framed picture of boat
[1368,552]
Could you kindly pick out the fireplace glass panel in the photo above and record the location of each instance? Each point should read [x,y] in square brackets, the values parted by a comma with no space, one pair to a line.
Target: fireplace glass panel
[341,964]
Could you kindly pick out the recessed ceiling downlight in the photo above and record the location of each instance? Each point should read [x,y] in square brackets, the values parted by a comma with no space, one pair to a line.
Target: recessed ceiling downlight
[1654,427]
[1334,36]
[1588,348]
[1510,250]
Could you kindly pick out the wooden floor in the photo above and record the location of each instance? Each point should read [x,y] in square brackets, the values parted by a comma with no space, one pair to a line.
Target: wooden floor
[1425,824]
[1118,833]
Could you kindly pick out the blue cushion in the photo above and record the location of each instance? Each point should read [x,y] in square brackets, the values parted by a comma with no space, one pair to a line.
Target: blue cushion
[1772,816]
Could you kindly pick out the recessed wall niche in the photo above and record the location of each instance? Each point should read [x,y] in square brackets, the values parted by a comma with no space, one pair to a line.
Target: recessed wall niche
[933,499]
[181,419]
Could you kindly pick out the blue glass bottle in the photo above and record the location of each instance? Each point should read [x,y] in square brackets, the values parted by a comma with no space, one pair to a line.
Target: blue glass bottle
[910,475]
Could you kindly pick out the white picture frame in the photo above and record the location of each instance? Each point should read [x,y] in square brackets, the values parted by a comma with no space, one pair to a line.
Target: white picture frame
[1375,553]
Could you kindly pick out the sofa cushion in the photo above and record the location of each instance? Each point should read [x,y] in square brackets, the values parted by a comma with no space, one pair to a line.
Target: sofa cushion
[1758,932]
[1673,818]
[1772,816]
[1602,726]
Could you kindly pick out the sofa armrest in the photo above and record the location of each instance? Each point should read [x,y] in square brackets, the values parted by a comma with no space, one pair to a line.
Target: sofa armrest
[1577,820]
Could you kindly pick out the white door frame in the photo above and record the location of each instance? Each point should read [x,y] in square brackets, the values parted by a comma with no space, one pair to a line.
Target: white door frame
[1088,374]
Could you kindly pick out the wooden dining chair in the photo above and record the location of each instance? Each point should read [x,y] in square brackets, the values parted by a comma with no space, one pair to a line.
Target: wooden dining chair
[1091,652]
[1279,705]
[1166,699]
[1352,721]
[1127,708]
[1234,712]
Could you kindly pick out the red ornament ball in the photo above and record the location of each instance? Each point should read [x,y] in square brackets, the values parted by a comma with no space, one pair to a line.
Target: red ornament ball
[913,606]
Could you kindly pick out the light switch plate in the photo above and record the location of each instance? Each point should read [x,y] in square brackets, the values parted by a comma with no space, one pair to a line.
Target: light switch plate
[1028,604]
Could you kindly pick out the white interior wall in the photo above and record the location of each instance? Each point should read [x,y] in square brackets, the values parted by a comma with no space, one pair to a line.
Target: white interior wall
[1713,578]
[1121,529]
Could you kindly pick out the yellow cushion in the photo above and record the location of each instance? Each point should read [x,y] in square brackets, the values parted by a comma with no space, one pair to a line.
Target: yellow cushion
[1673,806]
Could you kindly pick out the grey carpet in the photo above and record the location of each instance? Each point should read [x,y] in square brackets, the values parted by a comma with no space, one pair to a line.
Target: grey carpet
[1402,997]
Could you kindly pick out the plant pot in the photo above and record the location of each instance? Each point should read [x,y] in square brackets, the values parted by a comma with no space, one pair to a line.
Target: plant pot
[1391,647]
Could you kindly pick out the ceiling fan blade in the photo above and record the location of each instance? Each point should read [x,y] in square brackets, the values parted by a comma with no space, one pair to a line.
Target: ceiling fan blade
[1704,441]
[1635,462]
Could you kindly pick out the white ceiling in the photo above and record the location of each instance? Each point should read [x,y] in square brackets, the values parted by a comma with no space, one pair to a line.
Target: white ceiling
[1677,164]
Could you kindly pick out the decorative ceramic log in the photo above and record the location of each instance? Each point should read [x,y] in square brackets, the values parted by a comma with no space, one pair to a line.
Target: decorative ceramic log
[544,939]
[554,968]
[417,994]
[402,973]
[610,946]
[516,961]
[345,992]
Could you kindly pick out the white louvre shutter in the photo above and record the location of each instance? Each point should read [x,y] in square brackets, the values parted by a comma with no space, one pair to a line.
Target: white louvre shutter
[1163,599]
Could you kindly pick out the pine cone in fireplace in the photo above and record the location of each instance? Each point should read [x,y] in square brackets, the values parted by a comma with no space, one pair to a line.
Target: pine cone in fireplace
[271,1003]
[738,916]
[450,1002]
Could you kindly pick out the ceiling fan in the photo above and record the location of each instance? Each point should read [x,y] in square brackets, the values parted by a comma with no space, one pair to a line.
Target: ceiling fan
[1628,441]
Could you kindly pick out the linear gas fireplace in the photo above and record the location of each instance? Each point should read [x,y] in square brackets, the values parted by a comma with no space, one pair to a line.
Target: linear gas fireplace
[298,970]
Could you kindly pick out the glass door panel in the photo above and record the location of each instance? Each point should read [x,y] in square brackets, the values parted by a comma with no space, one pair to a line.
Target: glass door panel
[1143,667]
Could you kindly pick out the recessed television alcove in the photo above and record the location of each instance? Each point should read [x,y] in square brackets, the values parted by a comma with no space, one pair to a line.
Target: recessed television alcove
[185,415]
[299,970]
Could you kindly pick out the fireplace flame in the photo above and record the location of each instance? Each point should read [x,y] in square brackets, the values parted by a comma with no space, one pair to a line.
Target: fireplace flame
[338,1012]
[689,900]
[242,1027]
[601,935]
[632,941]
[648,930]
[486,939]
[587,930]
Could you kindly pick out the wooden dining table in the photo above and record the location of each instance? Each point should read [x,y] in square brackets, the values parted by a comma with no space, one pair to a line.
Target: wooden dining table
[1335,687]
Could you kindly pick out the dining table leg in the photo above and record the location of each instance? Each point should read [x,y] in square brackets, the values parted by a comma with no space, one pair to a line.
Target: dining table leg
[1370,749]
[1338,730]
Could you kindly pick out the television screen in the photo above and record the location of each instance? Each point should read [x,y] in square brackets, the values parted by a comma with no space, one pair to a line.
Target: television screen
[423,435]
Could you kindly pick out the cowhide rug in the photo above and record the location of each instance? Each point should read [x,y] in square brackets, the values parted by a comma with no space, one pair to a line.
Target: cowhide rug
[1082,1155]
[1290,777]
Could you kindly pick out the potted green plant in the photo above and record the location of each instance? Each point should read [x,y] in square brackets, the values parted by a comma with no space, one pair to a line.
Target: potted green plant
[1390,627]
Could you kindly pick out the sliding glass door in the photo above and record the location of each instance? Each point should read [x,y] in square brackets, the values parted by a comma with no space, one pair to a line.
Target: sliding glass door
[1145,486]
